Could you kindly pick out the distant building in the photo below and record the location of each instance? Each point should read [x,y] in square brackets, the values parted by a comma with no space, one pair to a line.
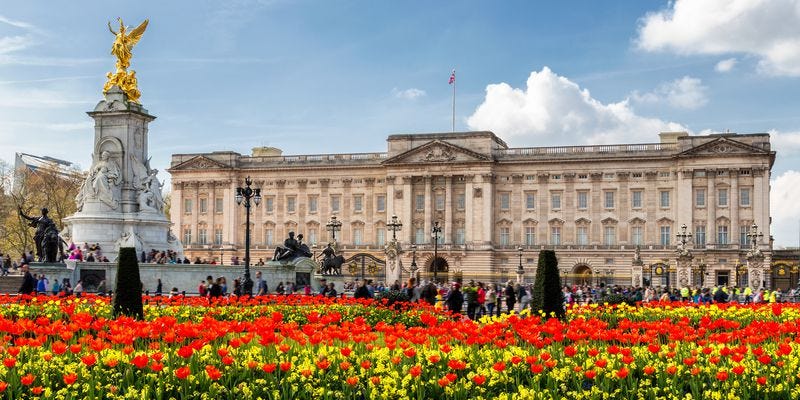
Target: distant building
[30,162]
[593,204]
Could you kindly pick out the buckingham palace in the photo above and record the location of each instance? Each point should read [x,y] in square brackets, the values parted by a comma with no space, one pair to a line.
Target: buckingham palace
[690,210]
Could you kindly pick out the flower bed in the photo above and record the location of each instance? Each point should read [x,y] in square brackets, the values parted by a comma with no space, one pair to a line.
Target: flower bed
[302,347]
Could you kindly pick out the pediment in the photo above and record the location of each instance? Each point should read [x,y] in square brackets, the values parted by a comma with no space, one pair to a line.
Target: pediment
[723,146]
[199,162]
[437,151]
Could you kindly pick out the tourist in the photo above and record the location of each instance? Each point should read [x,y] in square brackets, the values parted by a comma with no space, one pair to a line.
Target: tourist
[511,297]
[56,288]
[237,287]
[408,290]
[331,292]
[279,288]
[223,283]
[261,285]
[216,289]
[202,289]
[471,293]
[455,299]
[429,293]
[41,284]
[28,281]
[362,292]
[101,288]
[66,287]
[491,299]
[481,300]
[78,290]
[173,292]
[158,287]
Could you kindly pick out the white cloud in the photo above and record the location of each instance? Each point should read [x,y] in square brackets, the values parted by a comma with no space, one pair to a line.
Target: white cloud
[10,44]
[766,29]
[785,143]
[726,65]
[686,93]
[554,110]
[783,207]
[18,24]
[408,94]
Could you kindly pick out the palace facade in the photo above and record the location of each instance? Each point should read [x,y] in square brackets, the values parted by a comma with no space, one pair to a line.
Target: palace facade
[497,206]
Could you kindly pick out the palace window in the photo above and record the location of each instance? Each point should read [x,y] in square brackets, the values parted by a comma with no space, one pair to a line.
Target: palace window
[582,236]
[269,236]
[610,235]
[722,197]
[505,236]
[637,237]
[380,203]
[530,201]
[700,235]
[419,236]
[269,204]
[636,199]
[666,235]
[203,206]
[217,236]
[336,203]
[460,238]
[505,204]
[187,235]
[439,199]
[744,197]
[583,200]
[380,236]
[743,230]
[555,235]
[187,206]
[218,205]
[291,204]
[530,235]
[312,204]
[700,197]
[419,204]
[202,236]
[555,201]
[722,234]
[358,203]
[461,202]
[312,236]
[358,235]
[664,199]
[609,199]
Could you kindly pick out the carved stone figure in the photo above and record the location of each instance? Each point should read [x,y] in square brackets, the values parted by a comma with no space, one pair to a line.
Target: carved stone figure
[146,182]
[289,251]
[101,182]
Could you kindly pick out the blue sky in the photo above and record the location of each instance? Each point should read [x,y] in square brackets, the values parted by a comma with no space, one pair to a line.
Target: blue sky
[339,76]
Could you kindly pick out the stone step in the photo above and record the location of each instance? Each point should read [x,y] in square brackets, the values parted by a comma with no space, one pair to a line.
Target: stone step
[10,284]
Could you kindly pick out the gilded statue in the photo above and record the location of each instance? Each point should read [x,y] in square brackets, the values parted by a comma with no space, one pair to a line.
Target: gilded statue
[123,44]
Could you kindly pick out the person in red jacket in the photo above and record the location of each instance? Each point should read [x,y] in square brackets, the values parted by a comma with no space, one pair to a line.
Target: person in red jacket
[481,300]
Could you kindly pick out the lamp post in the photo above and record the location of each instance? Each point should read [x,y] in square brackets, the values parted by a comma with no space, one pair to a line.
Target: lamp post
[394,225]
[683,253]
[520,269]
[414,260]
[243,196]
[702,268]
[754,237]
[435,231]
[333,226]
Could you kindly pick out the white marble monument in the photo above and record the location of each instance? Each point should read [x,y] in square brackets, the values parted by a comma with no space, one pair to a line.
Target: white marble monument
[120,202]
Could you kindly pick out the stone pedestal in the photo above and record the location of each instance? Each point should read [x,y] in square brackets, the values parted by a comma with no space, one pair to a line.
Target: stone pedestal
[299,271]
[120,203]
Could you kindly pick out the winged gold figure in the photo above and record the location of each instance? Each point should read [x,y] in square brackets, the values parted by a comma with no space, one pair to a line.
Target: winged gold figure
[123,44]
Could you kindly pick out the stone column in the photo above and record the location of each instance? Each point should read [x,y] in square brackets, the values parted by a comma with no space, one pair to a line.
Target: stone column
[733,198]
[428,206]
[487,222]
[390,199]
[711,206]
[684,270]
[407,216]
[469,192]
[448,209]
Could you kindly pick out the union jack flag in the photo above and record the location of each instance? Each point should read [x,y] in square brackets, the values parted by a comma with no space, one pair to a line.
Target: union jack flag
[452,78]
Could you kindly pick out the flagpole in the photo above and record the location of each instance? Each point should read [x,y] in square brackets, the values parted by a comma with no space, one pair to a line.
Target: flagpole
[454,102]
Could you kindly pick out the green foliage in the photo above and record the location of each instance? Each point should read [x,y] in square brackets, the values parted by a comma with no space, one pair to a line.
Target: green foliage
[547,295]
[392,296]
[128,291]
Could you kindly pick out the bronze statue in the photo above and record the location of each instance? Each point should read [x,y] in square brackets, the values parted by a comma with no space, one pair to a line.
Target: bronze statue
[122,49]
[48,243]
[287,252]
[331,263]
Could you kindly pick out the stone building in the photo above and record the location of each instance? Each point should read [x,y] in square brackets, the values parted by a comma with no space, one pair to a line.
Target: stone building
[593,204]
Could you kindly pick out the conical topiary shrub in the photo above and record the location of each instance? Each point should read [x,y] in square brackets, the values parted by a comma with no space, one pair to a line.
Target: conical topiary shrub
[547,295]
[128,288]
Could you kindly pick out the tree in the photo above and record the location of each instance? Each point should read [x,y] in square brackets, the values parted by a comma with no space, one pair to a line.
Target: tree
[547,295]
[47,186]
[128,288]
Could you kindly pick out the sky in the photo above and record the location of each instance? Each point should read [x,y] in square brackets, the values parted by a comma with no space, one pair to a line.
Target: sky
[314,77]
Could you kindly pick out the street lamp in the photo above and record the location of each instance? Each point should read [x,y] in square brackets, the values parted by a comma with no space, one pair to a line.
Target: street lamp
[754,237]
[243,196]
[435,231]
[333,226]
[520,270]
[414,260]
[394,226]
[702,268]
